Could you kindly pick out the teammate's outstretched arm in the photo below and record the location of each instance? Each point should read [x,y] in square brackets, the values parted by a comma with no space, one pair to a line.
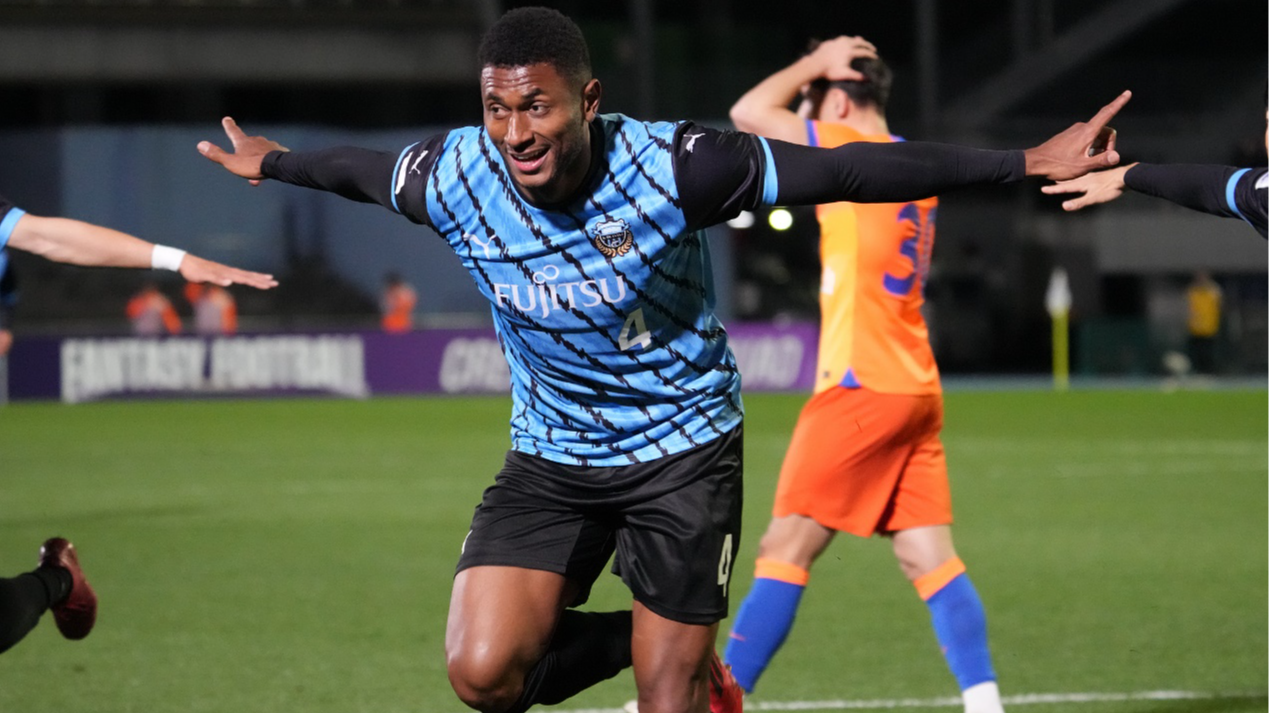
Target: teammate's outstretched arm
[1096,187]
[78,243]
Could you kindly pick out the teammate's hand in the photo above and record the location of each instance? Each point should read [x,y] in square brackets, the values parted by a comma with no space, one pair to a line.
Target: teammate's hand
[248,153]
[197,269]
[835,56]
[1086,146]
[1096,187]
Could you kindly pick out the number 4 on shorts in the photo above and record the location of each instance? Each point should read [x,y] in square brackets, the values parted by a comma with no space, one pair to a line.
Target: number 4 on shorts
[724,564]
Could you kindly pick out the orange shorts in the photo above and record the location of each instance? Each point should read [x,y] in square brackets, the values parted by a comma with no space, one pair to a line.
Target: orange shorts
[863,462]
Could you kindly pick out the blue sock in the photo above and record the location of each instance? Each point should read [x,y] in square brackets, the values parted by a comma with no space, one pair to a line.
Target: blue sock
[961,627]
[762,624]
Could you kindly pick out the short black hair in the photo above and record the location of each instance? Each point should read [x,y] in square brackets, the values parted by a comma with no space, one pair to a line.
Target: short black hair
[872,90]
[537,35]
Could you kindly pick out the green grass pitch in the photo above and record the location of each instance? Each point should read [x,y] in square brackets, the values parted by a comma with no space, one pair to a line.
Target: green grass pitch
[296,555]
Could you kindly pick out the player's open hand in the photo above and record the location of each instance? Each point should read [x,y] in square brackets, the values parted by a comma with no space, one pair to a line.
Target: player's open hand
[835,56]
[197,269]
[248,153]
[1096,187]
[1086,146]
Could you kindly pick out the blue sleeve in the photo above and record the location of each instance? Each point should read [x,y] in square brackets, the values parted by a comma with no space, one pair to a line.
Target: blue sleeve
[9,215]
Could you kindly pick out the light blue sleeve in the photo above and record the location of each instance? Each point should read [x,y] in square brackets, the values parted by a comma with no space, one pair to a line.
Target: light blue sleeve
[770,182]
[7,225]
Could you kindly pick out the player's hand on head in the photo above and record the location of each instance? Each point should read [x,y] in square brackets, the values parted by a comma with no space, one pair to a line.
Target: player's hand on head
[197,269]
[835,56]
[1096,187]
[248,152]
[1085,146]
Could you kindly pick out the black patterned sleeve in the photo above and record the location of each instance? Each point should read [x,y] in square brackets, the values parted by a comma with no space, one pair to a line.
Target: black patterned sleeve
[395,181]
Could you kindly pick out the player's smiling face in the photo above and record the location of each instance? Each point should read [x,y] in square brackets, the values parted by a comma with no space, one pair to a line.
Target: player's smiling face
[540,121]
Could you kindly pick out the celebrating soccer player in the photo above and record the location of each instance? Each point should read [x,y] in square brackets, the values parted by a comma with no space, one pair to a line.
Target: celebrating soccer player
[583,231]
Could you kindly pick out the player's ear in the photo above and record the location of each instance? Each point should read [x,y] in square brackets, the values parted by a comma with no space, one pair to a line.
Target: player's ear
[839,104]
[591,93]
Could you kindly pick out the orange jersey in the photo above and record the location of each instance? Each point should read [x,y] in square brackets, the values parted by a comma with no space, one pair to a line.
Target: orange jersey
[875,258]
[151,313]
[398,309]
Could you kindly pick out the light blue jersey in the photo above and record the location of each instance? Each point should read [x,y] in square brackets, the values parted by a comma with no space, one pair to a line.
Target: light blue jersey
[604,306]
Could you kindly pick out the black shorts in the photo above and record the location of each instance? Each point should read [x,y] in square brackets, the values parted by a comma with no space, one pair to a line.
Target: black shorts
[674,524]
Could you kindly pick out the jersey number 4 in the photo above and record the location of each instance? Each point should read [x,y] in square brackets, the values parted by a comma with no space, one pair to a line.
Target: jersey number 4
[634,333]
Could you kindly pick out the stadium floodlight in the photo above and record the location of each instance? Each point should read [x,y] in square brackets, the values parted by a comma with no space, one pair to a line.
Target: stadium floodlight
[780,219]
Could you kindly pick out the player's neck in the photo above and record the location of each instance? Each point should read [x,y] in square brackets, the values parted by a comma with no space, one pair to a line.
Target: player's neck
[866,120]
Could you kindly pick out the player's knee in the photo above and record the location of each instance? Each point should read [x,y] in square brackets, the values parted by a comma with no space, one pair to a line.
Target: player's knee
[484,682]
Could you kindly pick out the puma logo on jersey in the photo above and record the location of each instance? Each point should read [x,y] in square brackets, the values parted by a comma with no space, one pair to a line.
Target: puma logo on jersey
[691,140]
[414,167]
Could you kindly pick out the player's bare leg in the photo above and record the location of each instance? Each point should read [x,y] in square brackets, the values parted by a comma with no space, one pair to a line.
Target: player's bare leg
[921,550]
[928,559]
[671,663]
[795,539]
[511,643]
[500,623]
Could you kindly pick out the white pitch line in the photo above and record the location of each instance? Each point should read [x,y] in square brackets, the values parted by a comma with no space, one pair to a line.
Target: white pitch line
[955,702]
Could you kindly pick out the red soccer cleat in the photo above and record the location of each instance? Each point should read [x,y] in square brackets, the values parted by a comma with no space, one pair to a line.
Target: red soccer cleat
[725,694]
[76,614]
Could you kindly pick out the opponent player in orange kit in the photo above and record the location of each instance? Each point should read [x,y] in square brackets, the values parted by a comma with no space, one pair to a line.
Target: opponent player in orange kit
[865,456]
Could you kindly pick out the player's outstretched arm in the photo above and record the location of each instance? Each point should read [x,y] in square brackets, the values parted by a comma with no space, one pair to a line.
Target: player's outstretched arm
[1085,146]
[863,172]
[78,243]
[354,173]
[764,109]
[1096,187]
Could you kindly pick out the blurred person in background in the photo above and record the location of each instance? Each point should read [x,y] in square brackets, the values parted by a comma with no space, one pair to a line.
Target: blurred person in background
[1203,297]
[152,313]
[876,381]
[58,584]
[215,311]
[397,304]
[584,232]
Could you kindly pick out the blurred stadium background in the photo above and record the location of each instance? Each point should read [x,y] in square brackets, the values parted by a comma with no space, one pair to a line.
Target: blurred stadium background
[106,99]
[261,555]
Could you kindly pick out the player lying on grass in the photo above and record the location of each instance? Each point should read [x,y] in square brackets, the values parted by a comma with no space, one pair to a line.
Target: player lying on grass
[1226,191]
[582,230]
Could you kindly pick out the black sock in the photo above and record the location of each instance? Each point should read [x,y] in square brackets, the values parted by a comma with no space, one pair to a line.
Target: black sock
[588,647]
[24,599]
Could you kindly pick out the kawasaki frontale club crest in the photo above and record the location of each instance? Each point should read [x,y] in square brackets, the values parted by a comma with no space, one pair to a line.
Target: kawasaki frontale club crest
[612,237]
